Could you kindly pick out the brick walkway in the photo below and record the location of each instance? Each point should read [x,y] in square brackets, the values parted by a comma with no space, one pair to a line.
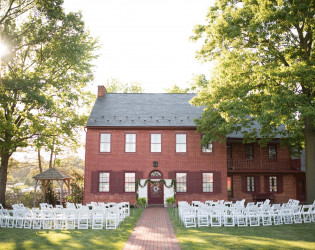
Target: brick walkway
[153,231]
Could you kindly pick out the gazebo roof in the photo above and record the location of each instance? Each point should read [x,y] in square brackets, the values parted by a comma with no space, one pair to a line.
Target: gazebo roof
[52,174]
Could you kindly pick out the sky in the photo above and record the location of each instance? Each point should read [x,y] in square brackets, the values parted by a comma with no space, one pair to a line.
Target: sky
[144,41]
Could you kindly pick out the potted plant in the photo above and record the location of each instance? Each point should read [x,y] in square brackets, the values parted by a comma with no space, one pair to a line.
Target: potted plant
[170,201]
[142,202]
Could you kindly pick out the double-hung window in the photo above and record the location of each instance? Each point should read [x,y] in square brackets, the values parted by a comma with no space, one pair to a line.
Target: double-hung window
[130,182]
[181,182]
[103,182]
[156,145]
[273,184]
[249,151]
[272,151]
[105,142]
[207,148]
[130,146]
[250,187]
[180,143]
[207,182]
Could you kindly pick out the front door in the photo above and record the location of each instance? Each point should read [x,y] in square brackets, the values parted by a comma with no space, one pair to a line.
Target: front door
[156,192]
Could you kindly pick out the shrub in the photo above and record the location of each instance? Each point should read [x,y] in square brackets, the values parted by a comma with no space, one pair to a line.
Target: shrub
[170,200]
[142,202]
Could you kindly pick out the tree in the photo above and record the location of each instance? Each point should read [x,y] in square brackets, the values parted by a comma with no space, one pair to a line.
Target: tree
[114,85]
[177,90]
[44,75]
[264,74]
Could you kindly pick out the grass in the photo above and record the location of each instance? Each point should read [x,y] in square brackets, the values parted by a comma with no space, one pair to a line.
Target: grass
[14,238]
[294,236]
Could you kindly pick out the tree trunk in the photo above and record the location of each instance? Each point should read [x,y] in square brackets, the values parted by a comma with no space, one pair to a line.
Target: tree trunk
[51,157]
[309,133]
[3,176]
[39,161]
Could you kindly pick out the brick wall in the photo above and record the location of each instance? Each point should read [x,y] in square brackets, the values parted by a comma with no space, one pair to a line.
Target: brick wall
[168,160]
[288,182]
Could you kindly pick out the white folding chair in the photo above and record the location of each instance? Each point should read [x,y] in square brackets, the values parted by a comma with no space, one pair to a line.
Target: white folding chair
[97,219]
[202,217]
[228,217]
[83,219]
[216,216]
[112,218]
[59,218]
[70,218]
[253,215]
[37,218]
[240,217]
[28,218]
[47,219]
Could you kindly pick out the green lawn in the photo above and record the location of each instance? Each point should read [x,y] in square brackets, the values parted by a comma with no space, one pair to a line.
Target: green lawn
[295,236]
[14,238]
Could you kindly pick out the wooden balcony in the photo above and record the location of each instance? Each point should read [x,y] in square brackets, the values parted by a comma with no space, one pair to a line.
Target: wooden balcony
[263,165]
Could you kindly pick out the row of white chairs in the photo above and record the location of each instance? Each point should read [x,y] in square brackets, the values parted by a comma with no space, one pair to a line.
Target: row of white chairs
[230,214]
[101,215]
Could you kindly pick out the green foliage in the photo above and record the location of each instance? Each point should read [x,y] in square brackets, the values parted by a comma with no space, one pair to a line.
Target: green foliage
[77,188]
[264,74]
[142,202]
[50,196]
[264,70]
[114,85]
[177,90]
[44,75]
[170,200]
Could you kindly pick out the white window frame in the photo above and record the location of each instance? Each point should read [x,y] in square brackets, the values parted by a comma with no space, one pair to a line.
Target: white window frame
[130,182]
[103,184]
[273,184]
[131,143]
[181,145]
[156,143]
[181,186]
[207,186]
[250,183]
[105,143]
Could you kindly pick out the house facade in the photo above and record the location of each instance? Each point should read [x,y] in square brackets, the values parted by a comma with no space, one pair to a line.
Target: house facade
[138,144]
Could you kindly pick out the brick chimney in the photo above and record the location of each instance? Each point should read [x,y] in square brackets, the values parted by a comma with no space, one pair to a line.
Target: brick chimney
[101,91]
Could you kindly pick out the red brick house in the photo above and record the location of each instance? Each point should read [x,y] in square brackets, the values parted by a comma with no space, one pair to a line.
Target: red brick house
[153,137]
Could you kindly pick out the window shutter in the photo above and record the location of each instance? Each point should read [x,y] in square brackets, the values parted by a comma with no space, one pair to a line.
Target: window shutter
[244,184]
[113,182]
[257,184]
[191,180]
[266,184]
[280,184]
[94,182]
[171,175]
[120,180]
[217,182]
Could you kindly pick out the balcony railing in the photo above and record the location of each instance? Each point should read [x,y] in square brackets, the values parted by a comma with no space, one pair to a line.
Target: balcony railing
[289,164]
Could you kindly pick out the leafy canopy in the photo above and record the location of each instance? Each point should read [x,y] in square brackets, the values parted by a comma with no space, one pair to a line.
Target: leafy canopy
[264,73]
[44,73]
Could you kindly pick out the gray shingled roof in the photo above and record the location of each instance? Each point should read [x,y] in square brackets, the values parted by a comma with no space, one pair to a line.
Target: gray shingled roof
[148,110]
[144,110]
[51,174]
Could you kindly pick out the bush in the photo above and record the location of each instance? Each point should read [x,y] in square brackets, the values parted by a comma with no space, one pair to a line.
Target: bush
[142,202]
[170,200]
[77,188]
